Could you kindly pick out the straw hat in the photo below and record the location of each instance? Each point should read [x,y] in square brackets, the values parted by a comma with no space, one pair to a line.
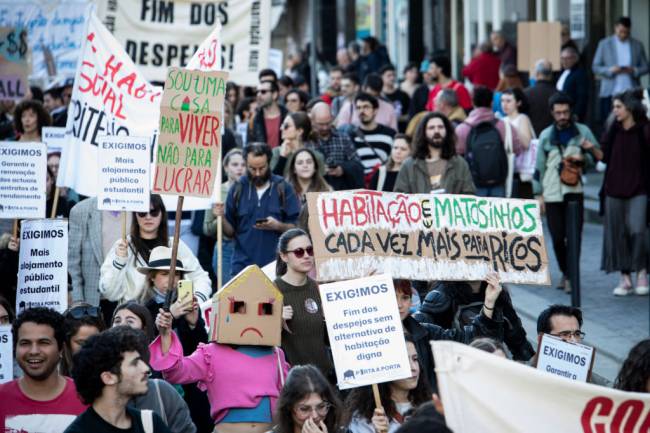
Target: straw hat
[160,260]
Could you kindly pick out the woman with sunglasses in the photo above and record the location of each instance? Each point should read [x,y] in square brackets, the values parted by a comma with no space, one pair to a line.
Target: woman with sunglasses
[82,321]
[297,134]
[303,334]
[120,281]
[307,403]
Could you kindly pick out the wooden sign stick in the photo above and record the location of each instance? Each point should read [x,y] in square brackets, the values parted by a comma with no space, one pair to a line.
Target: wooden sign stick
[15,228]
[124,226]
[172,265]
[375,393]
[55,202]
[219,224]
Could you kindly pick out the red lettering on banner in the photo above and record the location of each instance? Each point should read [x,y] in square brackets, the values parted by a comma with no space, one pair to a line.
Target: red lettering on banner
[208,57]
[113,68]
[182,180]
[360,210]
[199,129]
[600,416]
[327,215]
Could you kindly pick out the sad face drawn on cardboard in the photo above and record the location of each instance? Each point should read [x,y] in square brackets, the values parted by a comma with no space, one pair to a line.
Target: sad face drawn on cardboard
[248,310]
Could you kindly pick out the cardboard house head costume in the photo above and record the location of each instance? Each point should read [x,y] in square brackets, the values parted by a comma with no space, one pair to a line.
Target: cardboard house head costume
[248,310]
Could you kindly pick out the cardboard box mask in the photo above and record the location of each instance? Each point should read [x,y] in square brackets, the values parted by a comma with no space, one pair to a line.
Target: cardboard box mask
[247,310]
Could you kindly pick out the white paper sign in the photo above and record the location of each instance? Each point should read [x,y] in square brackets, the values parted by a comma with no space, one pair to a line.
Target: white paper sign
[22,179]
[43,265]
[570,360]
[6,354]
[365,331]
[54,138]
[123,174]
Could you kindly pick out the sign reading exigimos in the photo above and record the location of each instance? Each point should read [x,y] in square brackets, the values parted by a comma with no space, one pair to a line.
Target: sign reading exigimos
[426,236]
[191,113]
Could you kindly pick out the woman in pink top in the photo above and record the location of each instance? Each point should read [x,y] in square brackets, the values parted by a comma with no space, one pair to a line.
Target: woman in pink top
[242,382]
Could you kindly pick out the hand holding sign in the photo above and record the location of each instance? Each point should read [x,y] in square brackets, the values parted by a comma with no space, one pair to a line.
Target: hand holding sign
[492,293]
[380,420]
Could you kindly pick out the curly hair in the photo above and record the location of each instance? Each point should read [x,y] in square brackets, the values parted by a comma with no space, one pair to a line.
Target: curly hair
[421,144]
[360,401]
[43,117]
[104,352]
[635,371]
[302,381]
[42,316]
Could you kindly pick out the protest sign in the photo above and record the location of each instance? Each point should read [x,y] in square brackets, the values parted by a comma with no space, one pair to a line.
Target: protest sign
[54,138]
[43,265]
[365,331]
[123,173]
[570,360]
[426,236]
[110,97]
[14,68]
[23,167]
[208,56]
[187,155]
[538,40]
[488,394]
[180,27]
[55,31]
[6,354]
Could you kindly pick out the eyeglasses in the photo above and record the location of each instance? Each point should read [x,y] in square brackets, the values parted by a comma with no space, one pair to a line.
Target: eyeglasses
[84,311]
[321,409]
[153,212]
[300,252]
[579,335]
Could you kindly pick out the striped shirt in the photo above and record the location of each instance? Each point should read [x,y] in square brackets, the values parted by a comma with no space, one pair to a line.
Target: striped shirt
[373,146]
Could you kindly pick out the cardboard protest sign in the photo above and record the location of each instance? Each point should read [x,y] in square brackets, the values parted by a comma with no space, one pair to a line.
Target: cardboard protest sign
[43,265]
[571,360]
[426,236]
[6,354]
[54,137]
[23,168]
[247,310]
[123,173]
[55,31]
[365,331]
[110,97]
[180,27]
[14,66]
[488,394]
[187,155]
[538,40]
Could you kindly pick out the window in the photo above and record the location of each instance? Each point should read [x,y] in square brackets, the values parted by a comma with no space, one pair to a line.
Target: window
[265,309]
[237,307]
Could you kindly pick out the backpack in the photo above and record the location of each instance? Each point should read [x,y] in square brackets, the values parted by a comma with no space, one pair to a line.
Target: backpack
[486,155]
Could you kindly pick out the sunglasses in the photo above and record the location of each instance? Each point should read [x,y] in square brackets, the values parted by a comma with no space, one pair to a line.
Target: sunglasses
[84,311]
[153,212]
[300,252]
[263,92]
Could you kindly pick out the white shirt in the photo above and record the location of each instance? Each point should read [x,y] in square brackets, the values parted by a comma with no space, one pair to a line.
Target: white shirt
[560,82]
[623,82]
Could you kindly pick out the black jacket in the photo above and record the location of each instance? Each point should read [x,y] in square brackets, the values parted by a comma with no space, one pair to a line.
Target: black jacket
[538,96]
[576,86]
[441,304]
[257,132]
[423,333]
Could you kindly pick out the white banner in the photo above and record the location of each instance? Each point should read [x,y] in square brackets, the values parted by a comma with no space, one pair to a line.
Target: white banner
[43,265]
[570,360]
[180,26]
[365,331]
[110,97]
[55,32]
[6,354]
[54,138]
[484,393]
[22,179]
[123,174]
[208,56]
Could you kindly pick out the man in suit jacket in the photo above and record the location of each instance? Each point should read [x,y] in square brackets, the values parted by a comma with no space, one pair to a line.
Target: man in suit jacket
[92,234]
[620,62]
[538,96]
[573,81]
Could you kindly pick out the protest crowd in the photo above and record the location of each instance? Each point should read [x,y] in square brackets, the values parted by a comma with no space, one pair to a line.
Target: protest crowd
[130,352]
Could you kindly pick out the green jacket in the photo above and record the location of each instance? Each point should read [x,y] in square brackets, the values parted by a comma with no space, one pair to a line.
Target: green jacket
[413,177]
[547,179]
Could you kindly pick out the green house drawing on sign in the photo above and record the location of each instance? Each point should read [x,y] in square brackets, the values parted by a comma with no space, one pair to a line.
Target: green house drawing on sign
[186,104]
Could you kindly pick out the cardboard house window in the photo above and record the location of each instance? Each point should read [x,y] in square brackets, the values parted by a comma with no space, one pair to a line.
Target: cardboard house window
[237,307]
[265,309]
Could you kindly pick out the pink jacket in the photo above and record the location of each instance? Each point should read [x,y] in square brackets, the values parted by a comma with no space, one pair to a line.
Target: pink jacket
[477,116]
[231,379]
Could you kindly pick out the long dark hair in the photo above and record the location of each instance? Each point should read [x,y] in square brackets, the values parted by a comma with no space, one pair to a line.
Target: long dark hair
[635,370]
[283,248]
[632,102]
[302,381]
[301,121]
[318,182]
[143,314]
[360,401]
[162,239]
[72,326]
[519,96]
[421,144]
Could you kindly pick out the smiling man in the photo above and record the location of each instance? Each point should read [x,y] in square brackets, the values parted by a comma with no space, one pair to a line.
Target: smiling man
[108,371]
[42,400]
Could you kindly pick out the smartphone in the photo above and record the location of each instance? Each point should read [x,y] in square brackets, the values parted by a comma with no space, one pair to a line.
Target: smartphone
[185,290]
[261,221]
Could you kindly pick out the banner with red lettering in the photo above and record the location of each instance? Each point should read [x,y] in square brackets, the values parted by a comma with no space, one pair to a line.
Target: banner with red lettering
[482,392]
[110,97]
[187,156]
[208,55]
